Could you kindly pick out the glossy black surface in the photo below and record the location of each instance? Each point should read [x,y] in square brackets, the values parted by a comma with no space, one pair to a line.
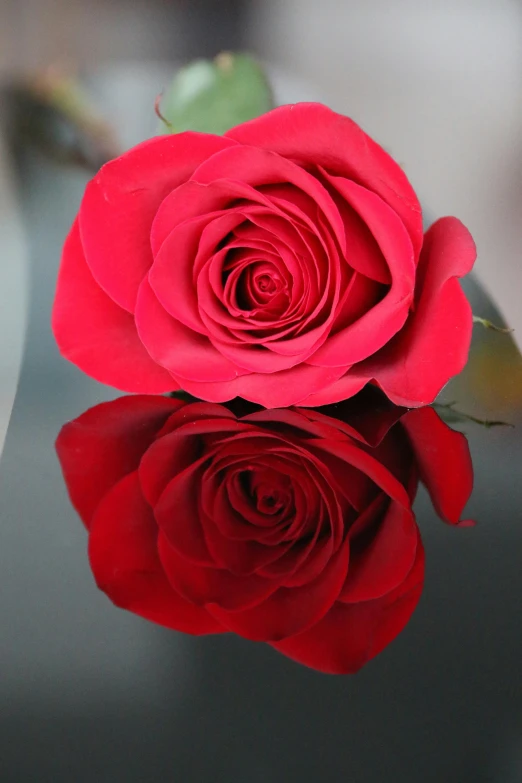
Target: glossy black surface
[91,693]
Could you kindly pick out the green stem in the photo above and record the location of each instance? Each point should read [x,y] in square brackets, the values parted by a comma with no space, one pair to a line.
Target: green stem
[488,423]
[489,325]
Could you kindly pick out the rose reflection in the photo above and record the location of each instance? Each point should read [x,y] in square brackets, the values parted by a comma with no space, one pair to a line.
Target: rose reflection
[292,526]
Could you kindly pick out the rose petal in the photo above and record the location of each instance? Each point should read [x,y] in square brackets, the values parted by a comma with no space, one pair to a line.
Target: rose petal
[106,443]
[360,296]
[260,166]
[347,386]
[120,203]
[177,514]
[285,388]
[125,563]
[314,296]
[313,135]
[272,390]
[169,456]
[289,610]
[241,558]
[205,413]
[399,605]
[212,587]
[177,347]
[386,560]
[96,334]
[352,634]
[173,268]
[444,461]
[368,417]
[366,463]
[362,251]
[379,324]
[273,358]
[434,344]
[195,199]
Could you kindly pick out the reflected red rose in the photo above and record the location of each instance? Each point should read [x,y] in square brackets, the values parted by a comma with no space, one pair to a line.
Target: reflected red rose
[289,526]
[284,263]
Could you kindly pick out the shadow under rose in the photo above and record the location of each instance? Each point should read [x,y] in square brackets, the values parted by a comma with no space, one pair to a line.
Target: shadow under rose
[293,527]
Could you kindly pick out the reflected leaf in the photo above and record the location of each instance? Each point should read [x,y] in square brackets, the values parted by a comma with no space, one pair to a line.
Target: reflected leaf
[453,416]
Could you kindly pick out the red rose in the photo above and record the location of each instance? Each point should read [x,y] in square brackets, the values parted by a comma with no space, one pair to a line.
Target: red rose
[287,526]
[284,263]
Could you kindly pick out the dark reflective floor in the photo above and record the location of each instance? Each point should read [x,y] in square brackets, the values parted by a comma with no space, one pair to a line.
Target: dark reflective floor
[91,693]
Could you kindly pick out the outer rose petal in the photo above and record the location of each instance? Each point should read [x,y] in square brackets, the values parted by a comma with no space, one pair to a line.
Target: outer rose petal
[434,344]
[106,443]
[445,466]
[352,634]
[312,134]
[273,390]
[125,563]
[386,561]
[120,203]
[347,386]
[96,334]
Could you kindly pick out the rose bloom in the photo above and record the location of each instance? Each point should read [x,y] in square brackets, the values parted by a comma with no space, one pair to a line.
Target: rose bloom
[287,526]
[284,262]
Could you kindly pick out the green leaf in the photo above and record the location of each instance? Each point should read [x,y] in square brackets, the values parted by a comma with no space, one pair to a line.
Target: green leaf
[212,96]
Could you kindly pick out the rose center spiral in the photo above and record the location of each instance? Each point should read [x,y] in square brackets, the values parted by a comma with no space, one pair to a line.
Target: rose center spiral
[260,283]
[269,491]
